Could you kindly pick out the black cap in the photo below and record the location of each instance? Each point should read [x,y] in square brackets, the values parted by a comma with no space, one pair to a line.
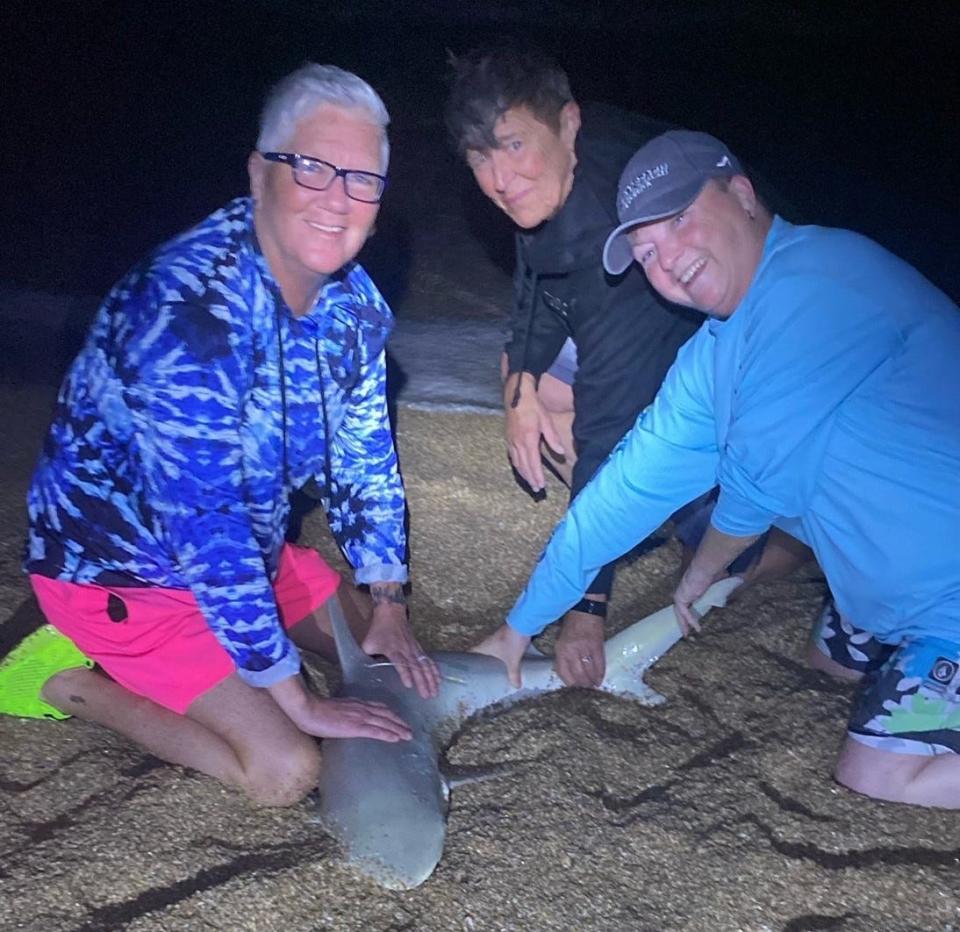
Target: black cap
[661,179]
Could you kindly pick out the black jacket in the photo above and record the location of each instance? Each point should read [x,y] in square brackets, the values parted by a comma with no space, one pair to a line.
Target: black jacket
[626,336]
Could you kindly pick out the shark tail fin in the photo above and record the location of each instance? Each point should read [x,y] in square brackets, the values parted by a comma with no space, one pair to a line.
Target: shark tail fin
[631,652]
[716,596]
[352,659]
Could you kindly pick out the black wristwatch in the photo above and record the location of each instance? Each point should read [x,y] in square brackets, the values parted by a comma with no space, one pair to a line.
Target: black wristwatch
[591,607]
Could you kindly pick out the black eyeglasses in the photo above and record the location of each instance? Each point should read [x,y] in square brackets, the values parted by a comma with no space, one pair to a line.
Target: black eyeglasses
[309,172]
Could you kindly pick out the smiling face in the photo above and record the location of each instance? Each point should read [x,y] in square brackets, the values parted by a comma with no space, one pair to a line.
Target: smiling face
[307,235]
[705,257]
[530,172]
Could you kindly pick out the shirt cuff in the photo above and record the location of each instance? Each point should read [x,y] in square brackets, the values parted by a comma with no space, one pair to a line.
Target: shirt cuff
[535,362]
[522,618]
[381,572]
[283,669]
[739,517]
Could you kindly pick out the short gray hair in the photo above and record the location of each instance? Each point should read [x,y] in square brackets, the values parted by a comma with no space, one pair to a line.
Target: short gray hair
[298,94]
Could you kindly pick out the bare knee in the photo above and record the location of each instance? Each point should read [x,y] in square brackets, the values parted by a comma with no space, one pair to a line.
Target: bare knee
[64,690]
[851,771]
[284,779]
[916,779]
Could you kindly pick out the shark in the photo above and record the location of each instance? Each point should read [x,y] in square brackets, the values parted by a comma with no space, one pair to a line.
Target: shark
[386,804]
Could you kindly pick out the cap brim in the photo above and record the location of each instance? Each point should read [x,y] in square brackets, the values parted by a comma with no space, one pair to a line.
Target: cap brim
[617,254]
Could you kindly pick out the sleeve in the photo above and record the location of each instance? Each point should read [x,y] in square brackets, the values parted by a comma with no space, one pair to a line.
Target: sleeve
[366,501]
[667,459]
[536,333]
[815,344]
[186,398]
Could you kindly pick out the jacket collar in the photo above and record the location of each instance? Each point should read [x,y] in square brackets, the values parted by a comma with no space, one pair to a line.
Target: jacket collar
[574,237]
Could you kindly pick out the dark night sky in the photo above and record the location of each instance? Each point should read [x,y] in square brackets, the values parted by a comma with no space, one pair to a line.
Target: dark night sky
[124,122]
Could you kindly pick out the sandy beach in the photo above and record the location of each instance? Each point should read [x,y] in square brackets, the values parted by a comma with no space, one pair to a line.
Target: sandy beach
[715,811]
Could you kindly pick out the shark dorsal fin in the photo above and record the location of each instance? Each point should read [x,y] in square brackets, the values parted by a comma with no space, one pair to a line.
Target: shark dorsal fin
[352,659]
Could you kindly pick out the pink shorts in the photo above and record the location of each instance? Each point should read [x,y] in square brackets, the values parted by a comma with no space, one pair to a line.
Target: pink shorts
[163,648]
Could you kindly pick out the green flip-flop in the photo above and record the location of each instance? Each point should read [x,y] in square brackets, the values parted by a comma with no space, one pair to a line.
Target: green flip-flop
[29,665]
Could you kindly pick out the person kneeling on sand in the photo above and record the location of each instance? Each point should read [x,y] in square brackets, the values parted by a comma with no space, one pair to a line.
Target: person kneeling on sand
[587,351]
[821,395]
[234,364]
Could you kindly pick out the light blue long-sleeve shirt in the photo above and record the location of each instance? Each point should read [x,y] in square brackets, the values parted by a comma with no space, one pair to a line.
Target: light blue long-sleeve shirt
[827,405]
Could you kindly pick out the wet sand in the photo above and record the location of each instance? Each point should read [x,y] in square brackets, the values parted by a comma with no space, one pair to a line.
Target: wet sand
[715,811]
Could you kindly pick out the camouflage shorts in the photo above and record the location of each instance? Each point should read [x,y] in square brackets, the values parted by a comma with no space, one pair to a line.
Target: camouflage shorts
[909,700]
[848,646]
[911,705]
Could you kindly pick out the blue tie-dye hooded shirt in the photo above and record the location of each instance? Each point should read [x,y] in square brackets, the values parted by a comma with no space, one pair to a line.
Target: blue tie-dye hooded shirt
[196,405]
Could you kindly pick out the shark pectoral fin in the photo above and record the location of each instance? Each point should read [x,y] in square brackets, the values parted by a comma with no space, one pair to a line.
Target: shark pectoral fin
[454,777]
[638,692]
[628,683]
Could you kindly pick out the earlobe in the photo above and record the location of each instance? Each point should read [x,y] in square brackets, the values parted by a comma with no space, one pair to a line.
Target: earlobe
[743,191]
[570,122]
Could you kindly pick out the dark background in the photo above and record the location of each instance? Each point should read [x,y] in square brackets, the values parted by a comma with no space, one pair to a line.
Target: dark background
[125,122]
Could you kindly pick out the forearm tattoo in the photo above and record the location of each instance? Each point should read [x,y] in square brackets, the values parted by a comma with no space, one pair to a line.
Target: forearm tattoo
[387,594]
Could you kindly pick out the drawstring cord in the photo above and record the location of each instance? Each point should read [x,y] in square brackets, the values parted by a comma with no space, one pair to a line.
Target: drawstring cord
[530,280]
[327,466]
[283,394]
[327,439]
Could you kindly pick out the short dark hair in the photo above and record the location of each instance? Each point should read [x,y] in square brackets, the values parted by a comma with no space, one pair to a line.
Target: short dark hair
[488,81]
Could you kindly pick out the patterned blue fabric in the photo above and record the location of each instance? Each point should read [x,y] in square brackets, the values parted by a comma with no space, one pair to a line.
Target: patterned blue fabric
[196,405]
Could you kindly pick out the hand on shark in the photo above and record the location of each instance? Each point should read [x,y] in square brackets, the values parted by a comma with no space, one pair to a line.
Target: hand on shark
[580,660]
[581,637]
[692,585]
[337,718]
[391,635]
[715,552]
[353,718]
[386,803]
[507,645]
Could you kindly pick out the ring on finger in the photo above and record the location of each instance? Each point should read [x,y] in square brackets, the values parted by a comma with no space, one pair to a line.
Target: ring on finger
[587,659]
[423,658]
